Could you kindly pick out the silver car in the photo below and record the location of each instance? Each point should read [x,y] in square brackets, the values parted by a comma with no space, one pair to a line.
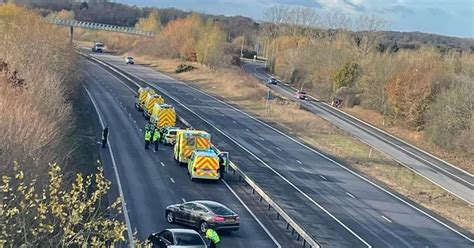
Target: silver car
[177,238]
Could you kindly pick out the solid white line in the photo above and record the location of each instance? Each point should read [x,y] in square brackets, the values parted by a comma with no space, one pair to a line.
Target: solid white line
[323,177]
[162,164]
[331,160]
[117,177]
[253,215]
[385,218]
[311,149]
[401,148]
[393,144]
[299,162]
[349,194]
[266,165]
[172,180]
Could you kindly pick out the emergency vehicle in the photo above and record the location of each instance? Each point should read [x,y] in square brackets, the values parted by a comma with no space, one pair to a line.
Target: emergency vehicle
[204,164]
[163,115]
[189,140]
[150,101]
[141,97]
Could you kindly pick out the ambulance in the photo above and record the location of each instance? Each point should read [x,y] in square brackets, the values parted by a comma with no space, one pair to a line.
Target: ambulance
[204,164]
[189,140]
[163,115]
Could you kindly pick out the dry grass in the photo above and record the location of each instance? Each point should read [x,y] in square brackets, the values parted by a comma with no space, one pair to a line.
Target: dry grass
[417,138]
[243,91]
[35,114]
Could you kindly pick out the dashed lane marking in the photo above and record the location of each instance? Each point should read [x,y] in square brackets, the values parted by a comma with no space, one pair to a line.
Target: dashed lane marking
[349,194]
[387,219]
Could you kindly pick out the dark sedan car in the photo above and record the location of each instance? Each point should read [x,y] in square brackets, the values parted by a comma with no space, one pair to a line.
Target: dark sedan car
[272,80]
[203,215]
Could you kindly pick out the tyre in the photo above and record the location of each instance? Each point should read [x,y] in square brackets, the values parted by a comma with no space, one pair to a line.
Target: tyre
[170,217]
[203,226]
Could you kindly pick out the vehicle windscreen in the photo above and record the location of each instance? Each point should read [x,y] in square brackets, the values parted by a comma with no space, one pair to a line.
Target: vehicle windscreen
[188,239]
[99,45]
[172,132]
[220,210]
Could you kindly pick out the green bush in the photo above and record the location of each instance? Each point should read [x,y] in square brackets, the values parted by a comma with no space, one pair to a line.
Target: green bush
[346,76]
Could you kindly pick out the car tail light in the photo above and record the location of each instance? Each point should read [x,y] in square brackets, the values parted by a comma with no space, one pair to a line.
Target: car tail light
[218,219]
[237,218]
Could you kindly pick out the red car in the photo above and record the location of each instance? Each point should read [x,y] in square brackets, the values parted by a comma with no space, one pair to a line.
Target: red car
[300,95]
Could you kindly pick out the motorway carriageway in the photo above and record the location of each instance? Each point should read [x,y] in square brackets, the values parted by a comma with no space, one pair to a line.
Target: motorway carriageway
[337,206]
[452,179]
[151,181]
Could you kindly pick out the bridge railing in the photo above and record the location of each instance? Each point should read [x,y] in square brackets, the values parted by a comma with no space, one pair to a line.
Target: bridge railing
[101,26]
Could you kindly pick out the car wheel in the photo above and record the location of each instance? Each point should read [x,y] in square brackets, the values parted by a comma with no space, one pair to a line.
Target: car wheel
[170,217]
[203,226]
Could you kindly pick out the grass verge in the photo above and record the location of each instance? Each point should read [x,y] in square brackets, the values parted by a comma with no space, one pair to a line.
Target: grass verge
[463,161]
[245,92]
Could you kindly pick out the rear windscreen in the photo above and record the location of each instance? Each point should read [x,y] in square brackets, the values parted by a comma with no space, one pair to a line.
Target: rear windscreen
[219,210]
[172,132]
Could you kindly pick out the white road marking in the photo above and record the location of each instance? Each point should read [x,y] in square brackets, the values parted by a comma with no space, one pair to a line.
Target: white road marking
[349,194]
[313,150]
[162,164]
[299,162]
[234,122]
[184,200]
[322,155]
[278,148]
[117,177]
[385,218]
[323,177]
[172,180]
[140,129]
[262,139]
[247,130]
[266,165]
[253,215]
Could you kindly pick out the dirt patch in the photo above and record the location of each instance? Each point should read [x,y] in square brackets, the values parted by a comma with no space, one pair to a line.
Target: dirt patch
[245,92]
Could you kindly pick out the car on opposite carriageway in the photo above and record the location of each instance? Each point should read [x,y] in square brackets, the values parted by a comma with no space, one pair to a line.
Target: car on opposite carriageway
[203,215]
[272,80]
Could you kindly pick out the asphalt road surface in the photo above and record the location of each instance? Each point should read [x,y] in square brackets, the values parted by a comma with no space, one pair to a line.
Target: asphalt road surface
[151,181]
[335,205]
[445,175]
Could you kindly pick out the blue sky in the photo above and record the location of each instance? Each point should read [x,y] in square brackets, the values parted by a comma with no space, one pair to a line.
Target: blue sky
[447,17]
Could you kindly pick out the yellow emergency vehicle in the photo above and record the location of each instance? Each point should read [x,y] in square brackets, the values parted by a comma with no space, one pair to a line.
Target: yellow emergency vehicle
[163,115]
[203,164]
[189,140]
[150,101]
[141,97]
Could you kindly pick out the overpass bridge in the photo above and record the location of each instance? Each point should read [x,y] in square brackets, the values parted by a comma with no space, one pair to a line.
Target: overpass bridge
[99,26]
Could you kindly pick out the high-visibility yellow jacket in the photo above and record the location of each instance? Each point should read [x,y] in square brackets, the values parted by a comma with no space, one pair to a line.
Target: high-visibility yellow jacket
[213,236]
[156,136]
[147,136]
